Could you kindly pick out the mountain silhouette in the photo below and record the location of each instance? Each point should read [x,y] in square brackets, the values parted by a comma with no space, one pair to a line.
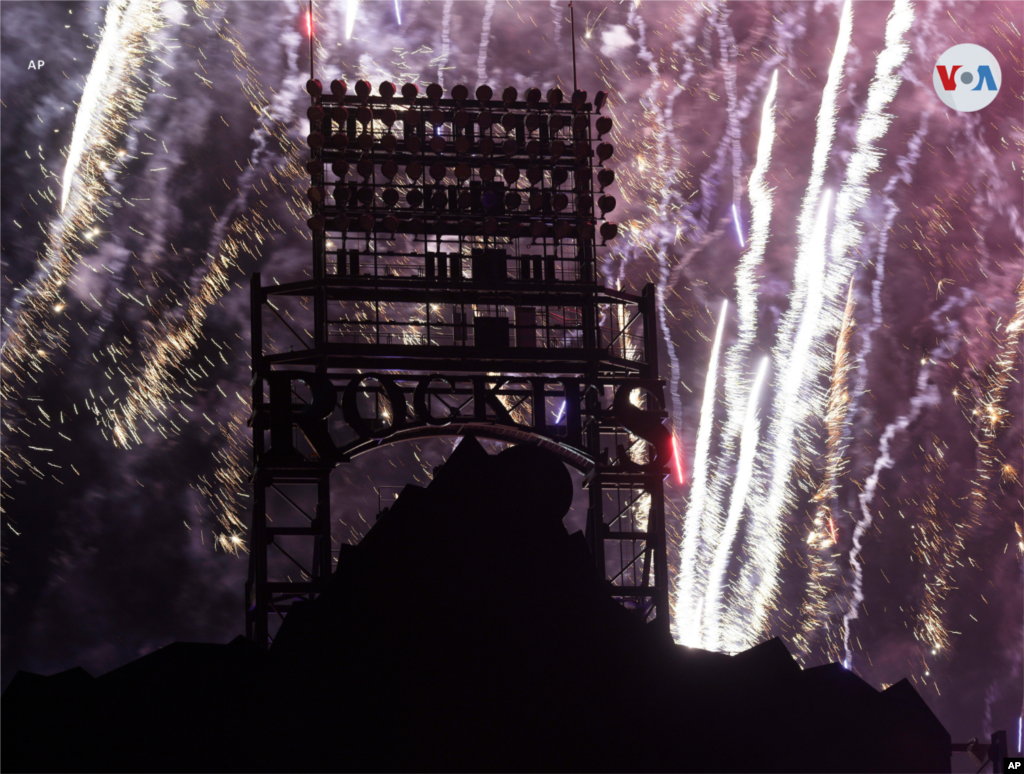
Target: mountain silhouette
[468,631]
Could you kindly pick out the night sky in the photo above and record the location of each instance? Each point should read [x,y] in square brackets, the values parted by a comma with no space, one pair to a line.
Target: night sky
[128,239]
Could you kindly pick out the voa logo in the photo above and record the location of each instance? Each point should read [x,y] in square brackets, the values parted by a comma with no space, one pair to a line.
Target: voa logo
[967,77]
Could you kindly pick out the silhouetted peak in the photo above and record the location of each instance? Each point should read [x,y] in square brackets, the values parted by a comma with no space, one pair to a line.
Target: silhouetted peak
[468,631]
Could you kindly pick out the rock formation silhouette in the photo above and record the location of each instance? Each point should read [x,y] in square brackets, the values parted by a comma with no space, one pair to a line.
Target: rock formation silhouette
[467,631]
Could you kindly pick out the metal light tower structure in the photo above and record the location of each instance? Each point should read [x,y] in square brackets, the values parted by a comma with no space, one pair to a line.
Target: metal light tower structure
[454,289]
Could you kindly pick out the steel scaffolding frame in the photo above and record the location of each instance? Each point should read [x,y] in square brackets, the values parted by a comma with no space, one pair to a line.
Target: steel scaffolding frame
[452,295]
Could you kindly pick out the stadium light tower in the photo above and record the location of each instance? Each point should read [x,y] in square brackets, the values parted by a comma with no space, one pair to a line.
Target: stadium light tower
[454,290]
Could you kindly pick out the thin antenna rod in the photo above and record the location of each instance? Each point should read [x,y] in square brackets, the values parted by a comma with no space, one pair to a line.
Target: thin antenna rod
[310,30]
[572,24]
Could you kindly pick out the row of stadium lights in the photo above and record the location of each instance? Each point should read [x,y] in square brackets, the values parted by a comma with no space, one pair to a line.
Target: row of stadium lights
[438,171]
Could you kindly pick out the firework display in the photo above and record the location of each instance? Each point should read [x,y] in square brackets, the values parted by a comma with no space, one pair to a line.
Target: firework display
[835,261]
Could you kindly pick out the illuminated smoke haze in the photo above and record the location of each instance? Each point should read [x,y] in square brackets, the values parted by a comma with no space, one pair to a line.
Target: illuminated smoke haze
[126,317]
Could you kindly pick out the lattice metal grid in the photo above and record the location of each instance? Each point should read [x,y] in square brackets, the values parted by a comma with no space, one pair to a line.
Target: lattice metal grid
[459,237]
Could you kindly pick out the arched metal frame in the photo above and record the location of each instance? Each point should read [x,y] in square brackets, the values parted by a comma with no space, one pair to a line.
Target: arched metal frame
[448,277]
[568,455]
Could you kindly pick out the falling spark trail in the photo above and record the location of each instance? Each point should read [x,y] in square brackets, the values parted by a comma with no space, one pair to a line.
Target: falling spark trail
[723,549]
[820,561]
[906,166]
[398,12]
[112,96]
[111,99]
[926,394]
[847,233]
[747,284]
[699,522]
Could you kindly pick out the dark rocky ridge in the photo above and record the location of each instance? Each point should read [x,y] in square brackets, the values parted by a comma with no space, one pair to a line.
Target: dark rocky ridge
[467,631]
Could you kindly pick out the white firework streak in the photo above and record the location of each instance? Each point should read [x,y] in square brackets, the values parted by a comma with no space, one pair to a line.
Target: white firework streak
[906,164]
[558,11]
[747,284]
[710,178]
[485,42]
[107,69]
[699,521]
[926,394]
[759,575]
[698,233]
[823,314]
[865,159]
[825,133]
[446,30]
[662,232]
[991,183]
[112,96]
[32,333]
[736,385]
[351,9]
[727,45]
[761,203]
[723,550]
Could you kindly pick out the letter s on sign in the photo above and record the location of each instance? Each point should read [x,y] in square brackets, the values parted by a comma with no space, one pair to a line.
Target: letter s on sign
[643,424]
